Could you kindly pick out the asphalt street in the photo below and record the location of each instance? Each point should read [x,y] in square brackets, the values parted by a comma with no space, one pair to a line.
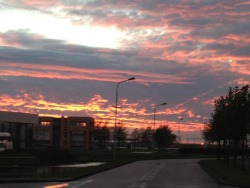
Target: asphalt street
[170,173]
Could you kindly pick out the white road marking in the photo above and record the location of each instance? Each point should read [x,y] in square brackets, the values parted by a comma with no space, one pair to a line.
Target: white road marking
[149,176]
[190,186]
[85,182]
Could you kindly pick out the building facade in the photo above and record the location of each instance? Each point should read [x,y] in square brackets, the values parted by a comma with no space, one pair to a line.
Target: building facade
[20,126]
[32,131]
[64,132]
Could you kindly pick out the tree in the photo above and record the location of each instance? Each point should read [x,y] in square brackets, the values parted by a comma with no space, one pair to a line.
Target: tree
[101,136]
[147,137]
[136,135]
[220,126]
[241,109]
[208,133]
[121,135]
[231,121]
[164,137]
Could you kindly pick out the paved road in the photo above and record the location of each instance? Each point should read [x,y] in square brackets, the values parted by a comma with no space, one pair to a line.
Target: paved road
[171,173]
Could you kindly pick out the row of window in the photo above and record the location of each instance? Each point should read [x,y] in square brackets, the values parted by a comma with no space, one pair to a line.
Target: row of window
[73,123]
[45,135]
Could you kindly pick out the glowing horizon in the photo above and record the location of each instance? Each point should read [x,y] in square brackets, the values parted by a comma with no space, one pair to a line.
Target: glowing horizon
[66,57]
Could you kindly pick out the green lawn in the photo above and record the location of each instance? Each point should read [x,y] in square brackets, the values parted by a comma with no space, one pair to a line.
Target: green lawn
[227,173]
[31,165]
[36,164]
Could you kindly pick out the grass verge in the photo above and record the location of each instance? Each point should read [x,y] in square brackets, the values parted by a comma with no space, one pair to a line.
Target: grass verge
[227,174]
[38,165]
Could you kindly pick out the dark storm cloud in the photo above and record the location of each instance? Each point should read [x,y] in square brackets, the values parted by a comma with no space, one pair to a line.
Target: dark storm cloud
[44,52]
[57,52]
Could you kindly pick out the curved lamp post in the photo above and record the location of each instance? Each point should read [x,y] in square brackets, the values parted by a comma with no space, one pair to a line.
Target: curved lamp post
[155,111]
[116,101]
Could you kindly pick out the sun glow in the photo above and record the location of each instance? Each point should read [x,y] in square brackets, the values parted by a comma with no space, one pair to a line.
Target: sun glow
[60,29]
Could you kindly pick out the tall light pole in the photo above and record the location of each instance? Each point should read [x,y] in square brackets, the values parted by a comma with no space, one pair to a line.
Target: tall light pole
[180,118]
[155,111]
[116,101]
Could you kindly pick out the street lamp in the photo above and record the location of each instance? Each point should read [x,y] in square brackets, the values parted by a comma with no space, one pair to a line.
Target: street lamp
[116,101]
[155,111]
[180,118]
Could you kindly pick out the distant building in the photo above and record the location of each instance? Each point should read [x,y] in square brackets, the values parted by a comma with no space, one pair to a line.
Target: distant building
[64,132]
[19,125]
[30,130]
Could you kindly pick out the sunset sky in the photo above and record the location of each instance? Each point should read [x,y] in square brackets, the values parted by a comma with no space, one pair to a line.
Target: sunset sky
[65,57]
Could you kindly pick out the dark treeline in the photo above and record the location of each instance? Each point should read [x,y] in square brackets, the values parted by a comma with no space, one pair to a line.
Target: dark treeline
[230,125]
[162,136]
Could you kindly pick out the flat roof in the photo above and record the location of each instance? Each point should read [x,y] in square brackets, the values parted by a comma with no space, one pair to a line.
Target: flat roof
[18,117]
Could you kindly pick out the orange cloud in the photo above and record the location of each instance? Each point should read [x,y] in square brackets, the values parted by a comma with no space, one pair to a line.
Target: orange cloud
[130,115]
[66,72]
[241,68]
[209,102]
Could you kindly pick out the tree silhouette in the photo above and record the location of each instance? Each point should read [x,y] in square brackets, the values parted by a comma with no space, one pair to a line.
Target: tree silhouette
[230,122]
[164,137]
[121,135]
[101,136]
[147,137]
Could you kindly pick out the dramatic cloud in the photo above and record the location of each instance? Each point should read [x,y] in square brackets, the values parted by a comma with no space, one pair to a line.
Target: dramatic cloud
[65,57]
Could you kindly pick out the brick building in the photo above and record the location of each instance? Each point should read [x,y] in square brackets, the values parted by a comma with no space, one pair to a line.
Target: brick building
[64,132]
[33,131]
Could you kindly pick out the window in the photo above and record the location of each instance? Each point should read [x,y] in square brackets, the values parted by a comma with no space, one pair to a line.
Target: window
[79,123]
[41,135]
[45,123]
[82,124]
[77,136]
